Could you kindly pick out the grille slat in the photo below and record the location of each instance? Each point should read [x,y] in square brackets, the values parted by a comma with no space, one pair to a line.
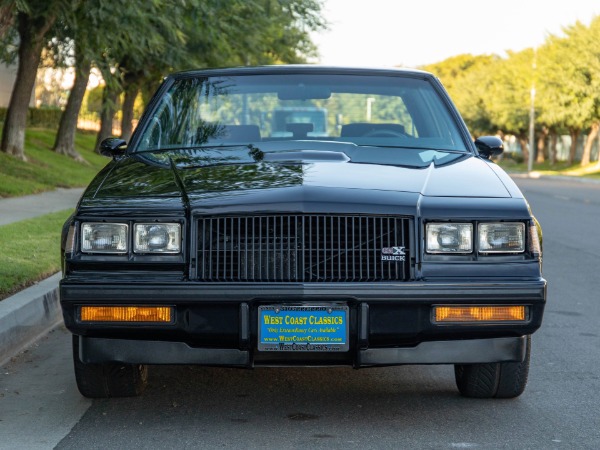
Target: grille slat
[302,248]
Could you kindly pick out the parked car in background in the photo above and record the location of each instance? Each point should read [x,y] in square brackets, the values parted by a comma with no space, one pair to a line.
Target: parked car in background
[211,238]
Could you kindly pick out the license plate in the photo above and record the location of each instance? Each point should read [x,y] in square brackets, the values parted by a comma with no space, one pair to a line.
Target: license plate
[283,328]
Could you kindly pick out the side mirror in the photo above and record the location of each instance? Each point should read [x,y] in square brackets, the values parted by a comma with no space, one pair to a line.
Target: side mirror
[113,147]
[489,146]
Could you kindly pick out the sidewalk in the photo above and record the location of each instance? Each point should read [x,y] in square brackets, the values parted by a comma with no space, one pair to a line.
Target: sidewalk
[31,313]
[15,209]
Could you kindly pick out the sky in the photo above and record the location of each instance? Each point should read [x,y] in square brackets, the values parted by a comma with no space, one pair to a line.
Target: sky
[411,33]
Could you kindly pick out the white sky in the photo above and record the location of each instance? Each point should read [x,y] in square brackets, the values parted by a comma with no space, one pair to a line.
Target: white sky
[417,32]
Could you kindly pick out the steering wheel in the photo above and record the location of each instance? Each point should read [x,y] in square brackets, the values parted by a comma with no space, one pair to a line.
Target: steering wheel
[385,133]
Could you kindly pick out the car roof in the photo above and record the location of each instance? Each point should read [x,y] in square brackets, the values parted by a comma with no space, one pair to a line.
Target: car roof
[301,69]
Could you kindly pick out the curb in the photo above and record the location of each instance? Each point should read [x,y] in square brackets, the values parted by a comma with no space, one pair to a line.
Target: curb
[28,315]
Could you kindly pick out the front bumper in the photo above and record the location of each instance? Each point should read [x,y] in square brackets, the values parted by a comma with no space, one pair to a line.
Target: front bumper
[470,351]
[216,324]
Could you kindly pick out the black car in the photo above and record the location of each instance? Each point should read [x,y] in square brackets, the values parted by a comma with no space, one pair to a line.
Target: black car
[213,238]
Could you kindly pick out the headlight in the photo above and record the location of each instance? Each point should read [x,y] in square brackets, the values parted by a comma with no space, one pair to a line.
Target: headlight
[503,237]
[449,237]
[157,238]
[99,237]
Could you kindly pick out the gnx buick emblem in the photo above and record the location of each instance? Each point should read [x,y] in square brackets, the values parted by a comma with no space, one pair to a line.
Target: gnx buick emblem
[393,254]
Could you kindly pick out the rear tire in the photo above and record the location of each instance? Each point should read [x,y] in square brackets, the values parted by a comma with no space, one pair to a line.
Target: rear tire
[493,380]
[108,379]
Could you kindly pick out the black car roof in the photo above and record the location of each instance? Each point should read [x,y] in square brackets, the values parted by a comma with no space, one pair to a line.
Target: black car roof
[301,69]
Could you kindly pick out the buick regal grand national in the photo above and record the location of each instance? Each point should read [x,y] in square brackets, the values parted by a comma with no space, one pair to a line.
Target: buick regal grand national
[227,234]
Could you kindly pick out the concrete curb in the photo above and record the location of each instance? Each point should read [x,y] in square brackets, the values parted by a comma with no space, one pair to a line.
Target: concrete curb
[28,315]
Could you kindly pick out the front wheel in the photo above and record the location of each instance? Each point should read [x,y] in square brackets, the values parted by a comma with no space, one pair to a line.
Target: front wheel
[493,380]
[108,379]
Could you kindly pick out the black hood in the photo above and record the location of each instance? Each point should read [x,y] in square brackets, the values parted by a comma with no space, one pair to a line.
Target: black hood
[292,182]
[467,177]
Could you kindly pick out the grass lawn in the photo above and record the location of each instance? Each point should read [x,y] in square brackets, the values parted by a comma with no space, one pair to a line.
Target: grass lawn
[563,168]
[45,169]
[30,251]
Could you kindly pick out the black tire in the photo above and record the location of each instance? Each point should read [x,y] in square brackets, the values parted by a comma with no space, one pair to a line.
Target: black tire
[108,379]
[494,380]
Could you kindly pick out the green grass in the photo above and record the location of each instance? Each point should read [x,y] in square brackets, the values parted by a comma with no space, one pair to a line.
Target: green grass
[45,169]
[30,251]
[563,168]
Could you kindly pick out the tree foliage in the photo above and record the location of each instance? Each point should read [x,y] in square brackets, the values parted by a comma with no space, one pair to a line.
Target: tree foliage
[493,93]
[136,43]
[31,21]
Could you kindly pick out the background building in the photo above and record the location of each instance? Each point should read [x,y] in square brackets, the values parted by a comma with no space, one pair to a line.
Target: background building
[7,80]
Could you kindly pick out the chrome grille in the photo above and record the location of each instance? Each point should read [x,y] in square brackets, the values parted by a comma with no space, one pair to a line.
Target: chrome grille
[302,248]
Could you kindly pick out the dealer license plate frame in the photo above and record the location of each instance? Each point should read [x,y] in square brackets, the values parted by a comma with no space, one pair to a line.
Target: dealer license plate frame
[302,333]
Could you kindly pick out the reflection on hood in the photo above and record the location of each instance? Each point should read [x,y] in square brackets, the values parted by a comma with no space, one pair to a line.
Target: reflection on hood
[243,177]
[246,169]
[301,151]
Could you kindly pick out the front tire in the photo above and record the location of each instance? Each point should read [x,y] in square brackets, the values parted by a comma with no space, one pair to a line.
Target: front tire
[108,379]
[493,380]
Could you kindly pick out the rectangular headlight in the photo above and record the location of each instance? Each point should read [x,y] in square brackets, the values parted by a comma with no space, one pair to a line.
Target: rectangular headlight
[157,238]
[100,237]
[502,237]
[449,237]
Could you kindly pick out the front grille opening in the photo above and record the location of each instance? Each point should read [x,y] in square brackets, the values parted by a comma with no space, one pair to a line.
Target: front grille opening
[303,248]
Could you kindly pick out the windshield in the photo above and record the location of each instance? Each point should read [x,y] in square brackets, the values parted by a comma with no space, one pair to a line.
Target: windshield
[261,110]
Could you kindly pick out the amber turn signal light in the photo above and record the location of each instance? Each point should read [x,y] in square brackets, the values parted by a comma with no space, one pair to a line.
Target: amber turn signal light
[462,314]
[126,314]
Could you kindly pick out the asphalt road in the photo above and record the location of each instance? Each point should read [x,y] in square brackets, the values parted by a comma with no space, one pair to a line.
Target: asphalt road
[400,407]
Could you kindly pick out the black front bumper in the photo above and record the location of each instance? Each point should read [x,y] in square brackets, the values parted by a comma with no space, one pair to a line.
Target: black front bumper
[216,324]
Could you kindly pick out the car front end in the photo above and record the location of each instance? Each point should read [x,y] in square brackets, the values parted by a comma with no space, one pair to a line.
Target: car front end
[220,246]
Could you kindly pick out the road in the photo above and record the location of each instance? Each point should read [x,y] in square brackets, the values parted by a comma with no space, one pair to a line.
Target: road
[399,407]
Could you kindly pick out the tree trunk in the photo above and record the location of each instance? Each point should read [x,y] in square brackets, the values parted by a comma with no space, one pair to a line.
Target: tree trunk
[131,93]
[147,90]
[30,52]
[589,142]
[553,142]
[574,132]
[109,103]
[65,138]
[524,141]
[541,145]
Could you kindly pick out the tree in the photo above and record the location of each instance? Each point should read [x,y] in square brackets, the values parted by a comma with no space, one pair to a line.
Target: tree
[467,77]
[32,20]
[65,136]
[587,38]
[213,33]
[132,31]
[569,80]
[508,95]
[147,40]
[152,44]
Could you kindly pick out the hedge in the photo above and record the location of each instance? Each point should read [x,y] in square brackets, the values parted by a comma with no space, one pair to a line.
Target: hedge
[39,117]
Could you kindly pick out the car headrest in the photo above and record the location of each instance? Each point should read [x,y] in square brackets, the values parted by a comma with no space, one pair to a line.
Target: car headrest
[362,128]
